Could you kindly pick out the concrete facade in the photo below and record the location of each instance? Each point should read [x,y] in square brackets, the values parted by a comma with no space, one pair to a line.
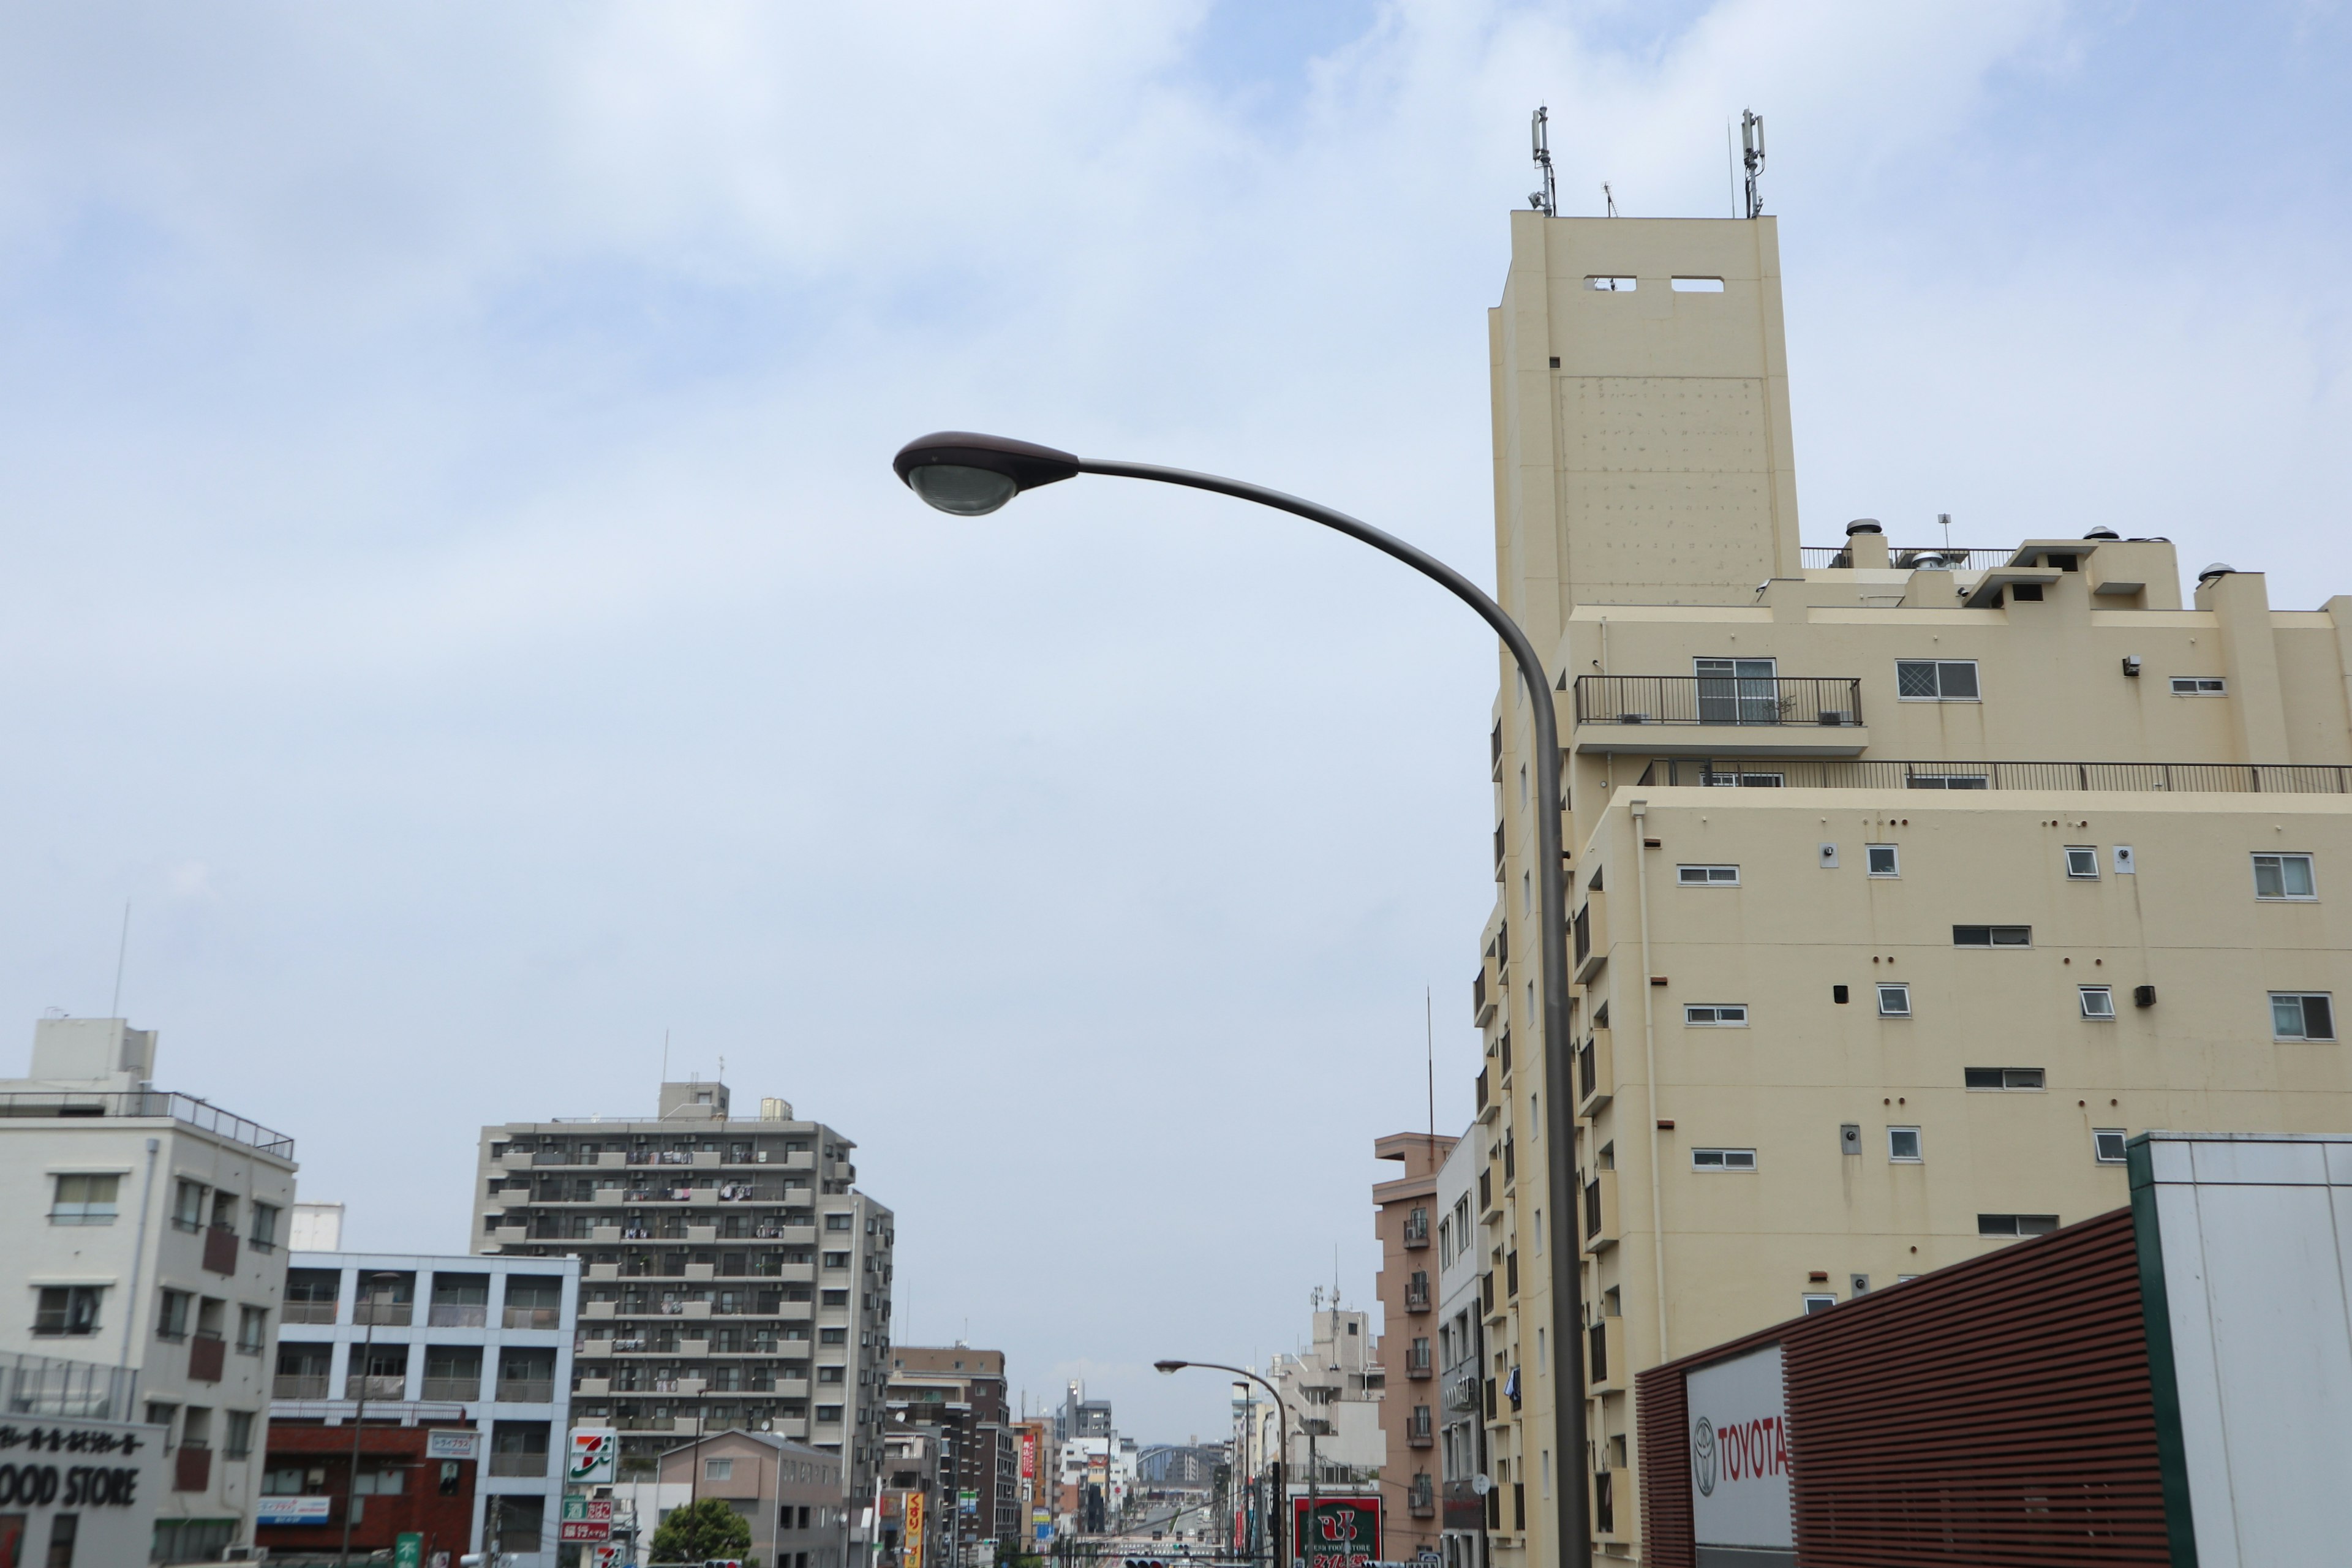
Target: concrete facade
[1872,848]
[959,1392]
[478,1343]
[145,1230]
[732,1275]
[1461,1383]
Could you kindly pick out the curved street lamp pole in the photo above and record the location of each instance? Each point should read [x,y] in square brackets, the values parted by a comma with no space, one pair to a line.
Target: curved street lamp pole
[971,475]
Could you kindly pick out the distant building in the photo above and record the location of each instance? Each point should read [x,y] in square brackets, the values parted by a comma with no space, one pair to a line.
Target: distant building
[142,1230]
[959,1392]
[1334,1387]
[733,1277]
[450,1343]
[1403,1221]
[1461,1380]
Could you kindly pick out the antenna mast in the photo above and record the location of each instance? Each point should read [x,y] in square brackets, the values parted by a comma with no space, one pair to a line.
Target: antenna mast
[1545,200]
[1751,141]
[1609,198]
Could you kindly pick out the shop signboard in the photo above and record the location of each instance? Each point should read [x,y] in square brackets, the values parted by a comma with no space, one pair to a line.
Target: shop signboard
[1344,1533]
[585,1518]
[452,1443]
[78,1491]
[593,1455]
[294,1510]
[1739,1455]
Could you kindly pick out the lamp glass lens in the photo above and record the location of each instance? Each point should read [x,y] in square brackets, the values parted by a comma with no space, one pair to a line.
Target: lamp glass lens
[966,493]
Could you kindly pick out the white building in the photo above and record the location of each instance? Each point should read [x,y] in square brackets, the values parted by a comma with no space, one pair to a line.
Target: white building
[1461,1396]
[478,1342]
[142,1230]
[1336,1385]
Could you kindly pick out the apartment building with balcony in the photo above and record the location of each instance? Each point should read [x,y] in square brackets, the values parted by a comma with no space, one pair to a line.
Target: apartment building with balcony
[1464,1391]
[143,1231]
[732,1275]
[1907,878]
[437,1342]
[1335,1385]
[960,1392]
[1405,1219]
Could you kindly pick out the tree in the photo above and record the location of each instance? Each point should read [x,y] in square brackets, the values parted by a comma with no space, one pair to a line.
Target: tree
[702,1529]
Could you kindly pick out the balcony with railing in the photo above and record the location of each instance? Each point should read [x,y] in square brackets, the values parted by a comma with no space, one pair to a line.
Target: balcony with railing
[457,1315]
[1700,715]
[527,1390]
[1730,769]
[1421,1497]
[1416,1294]
[460,1389]
[1416,1228]
[384,1386]
[308,1313]
[299,1386]
[1420,1431]
[1417,1360]
[1908,558]
[1596,1072]
[384,1314]
[512,1464]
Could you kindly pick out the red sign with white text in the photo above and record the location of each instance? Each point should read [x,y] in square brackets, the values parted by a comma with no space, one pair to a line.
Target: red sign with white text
[1344,1533]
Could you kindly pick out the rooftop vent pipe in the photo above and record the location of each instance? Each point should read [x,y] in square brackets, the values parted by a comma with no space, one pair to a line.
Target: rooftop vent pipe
[2219,569]
[1863,525]
[2103,533]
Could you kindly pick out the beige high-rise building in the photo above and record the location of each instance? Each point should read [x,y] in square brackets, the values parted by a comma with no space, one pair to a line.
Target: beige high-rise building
[1906,880]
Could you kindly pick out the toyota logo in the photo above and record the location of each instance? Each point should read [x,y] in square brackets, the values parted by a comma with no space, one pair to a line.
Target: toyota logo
[1702,1456]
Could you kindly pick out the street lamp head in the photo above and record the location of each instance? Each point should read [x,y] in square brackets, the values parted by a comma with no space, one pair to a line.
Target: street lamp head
[1172,1365]
[971,475]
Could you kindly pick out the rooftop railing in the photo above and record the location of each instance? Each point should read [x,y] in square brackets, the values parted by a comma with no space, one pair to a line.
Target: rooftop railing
[197,1113]
[1719,699]
[1911,558]
[2142,778]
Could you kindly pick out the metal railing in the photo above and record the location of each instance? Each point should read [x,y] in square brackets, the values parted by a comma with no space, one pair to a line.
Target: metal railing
[197,1113]
[299,1386]
[1416,1228]
[533,1317]
[464,1390]
[308,1313]
[527,1390]
[1805,699]
[457,1315]
[54,1386]
[376,1387]
[2126,778]
[519,1464]
[1910,557]
[384,1314]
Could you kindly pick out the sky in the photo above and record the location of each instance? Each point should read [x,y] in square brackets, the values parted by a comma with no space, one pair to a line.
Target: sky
[455,595]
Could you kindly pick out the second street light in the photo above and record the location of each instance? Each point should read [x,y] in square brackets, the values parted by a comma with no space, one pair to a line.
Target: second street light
[1280,1505]
[971,475]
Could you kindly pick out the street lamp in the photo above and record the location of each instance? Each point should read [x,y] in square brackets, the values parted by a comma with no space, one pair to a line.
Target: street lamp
[971,475]
[1281,1503]
[359,1413]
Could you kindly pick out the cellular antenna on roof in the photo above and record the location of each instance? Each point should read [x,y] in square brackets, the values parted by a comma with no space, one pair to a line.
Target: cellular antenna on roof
[1609,198]
[1751,143]
[1545,200]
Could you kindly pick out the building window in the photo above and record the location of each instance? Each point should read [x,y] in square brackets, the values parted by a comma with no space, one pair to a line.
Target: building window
[2016,1223]
[1707,876]
[2107,1145]
[717,1470]
[1992,936]
[252,1328]
[238,1442]
[836,1260]
[1936,680]
[2001,1077]
[2098,1001]
[2302,1016]
[1882,860]
[188,1207]
[2082,862]
[1895,1001]
[829,1415]
[265,1228]
[2200,686]
[1717,1016]
[1902,1145]
[66,1309]
[84,1200]
[1818,1303]
[2283,877]
[1723,1159]
[172,1315]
